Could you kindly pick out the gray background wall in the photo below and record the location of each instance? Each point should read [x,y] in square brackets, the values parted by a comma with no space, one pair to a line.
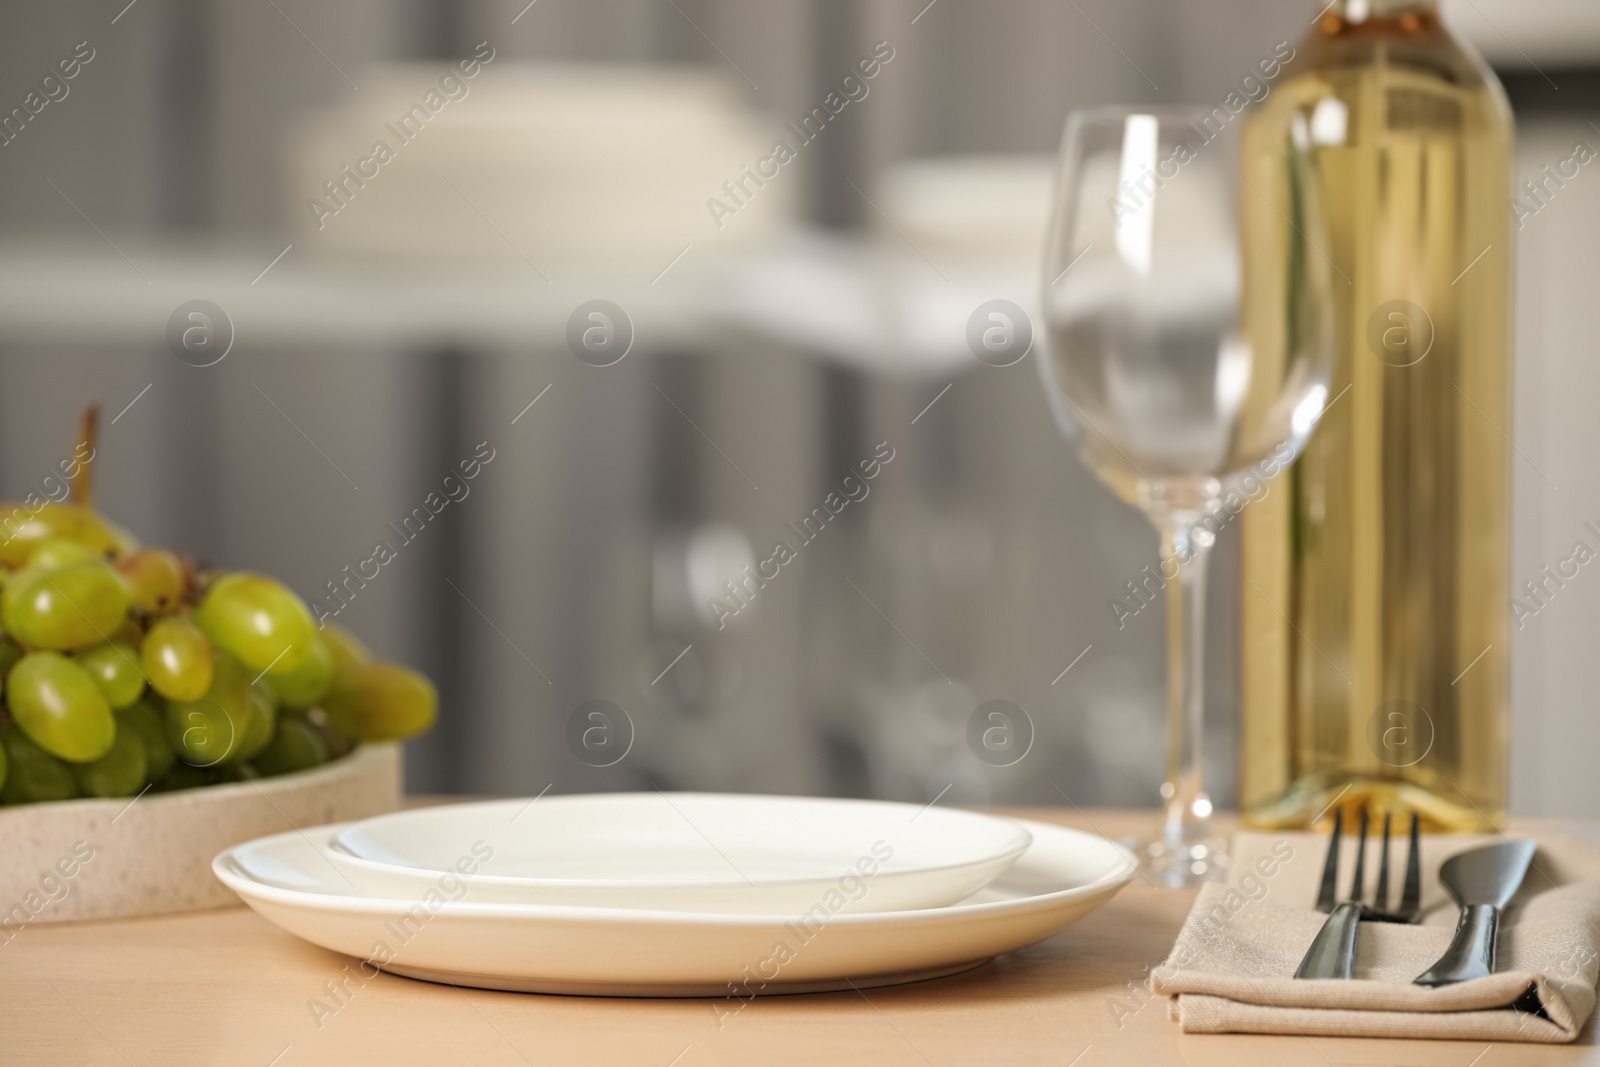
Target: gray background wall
[983,540]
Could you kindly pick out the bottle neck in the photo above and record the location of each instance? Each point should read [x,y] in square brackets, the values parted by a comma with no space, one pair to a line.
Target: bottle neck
[1355,11]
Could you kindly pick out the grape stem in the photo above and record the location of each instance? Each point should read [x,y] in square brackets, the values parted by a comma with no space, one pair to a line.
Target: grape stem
[81,485]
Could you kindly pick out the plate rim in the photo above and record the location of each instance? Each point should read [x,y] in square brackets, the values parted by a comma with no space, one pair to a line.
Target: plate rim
[1022,840]
[234,877]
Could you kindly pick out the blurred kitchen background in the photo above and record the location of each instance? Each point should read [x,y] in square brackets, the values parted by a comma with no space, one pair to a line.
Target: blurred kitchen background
[771,354]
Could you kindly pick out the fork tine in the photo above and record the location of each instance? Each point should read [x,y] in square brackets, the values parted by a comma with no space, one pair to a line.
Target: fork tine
[1330,868]
[1411,896]
[1359,882]
[1381,897]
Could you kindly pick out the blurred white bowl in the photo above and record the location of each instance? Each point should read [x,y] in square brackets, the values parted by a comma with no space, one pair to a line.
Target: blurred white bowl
[544,162]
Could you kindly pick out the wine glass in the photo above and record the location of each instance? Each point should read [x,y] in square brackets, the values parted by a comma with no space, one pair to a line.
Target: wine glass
[1183,391]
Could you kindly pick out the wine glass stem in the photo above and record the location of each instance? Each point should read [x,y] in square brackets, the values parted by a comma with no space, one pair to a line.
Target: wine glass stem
[1186,547]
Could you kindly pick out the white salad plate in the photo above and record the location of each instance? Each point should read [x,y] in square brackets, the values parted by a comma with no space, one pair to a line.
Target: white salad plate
[705,852]
[447,935]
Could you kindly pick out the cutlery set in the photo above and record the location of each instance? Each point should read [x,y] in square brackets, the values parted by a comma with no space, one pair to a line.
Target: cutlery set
[1481,882]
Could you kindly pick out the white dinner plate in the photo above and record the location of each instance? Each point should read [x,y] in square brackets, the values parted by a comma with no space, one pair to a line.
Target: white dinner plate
[446,935]
[706,852]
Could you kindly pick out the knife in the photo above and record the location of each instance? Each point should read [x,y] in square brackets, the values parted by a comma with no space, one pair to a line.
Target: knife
[1480,882]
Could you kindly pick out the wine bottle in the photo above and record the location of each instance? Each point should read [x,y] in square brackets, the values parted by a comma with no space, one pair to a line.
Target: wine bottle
[1375,640]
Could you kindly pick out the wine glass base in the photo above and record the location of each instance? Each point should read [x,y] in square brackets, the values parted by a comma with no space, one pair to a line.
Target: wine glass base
[1189,858]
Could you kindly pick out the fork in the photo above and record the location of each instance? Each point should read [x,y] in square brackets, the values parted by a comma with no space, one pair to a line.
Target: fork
[1333,951]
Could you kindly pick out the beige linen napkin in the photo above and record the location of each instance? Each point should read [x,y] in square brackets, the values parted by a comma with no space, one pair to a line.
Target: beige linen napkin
[1232,968]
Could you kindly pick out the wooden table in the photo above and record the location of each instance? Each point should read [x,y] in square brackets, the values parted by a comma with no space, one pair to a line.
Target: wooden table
[225,986]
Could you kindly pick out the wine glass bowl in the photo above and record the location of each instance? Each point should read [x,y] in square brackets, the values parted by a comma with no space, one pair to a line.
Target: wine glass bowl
[1150,369]
[1147,364]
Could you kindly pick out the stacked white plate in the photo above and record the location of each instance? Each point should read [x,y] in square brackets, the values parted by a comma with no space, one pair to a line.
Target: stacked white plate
[676,894]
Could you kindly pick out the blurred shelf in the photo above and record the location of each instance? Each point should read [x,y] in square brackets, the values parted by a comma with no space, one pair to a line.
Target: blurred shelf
[876,305]
[62,293]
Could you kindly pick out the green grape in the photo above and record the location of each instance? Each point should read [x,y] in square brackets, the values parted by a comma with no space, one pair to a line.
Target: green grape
[155,579]
[258,620]
[119,773]
[22,529]
[123,543]
[60,708]
[74,607]
[381,702]
[32,773]
[309,681]
[217,727]
[245,685]
[58,552]
[339,746]
[142,719]
[348,651]
[128,632]
[9,654]
[203,733]
[297,746]
[177,659]
[115,669]
[263,725]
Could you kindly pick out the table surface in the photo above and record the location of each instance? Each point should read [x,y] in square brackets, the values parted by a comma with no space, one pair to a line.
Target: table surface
[225,986]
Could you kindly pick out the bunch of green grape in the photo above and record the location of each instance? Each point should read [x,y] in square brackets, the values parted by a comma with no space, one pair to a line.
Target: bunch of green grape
[123,667]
